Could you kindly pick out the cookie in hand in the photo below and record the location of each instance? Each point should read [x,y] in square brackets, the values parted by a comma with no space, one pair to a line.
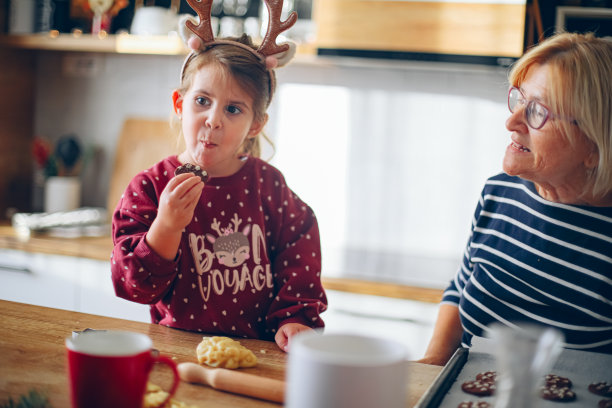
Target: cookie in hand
[192,168]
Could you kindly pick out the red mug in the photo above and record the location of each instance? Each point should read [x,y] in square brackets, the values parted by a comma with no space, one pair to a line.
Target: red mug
[111,369]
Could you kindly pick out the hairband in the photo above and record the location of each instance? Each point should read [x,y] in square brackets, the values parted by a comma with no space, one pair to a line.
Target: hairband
[198,35]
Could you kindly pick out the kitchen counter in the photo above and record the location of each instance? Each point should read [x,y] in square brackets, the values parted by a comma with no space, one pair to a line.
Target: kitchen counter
[99,248]
[32,356]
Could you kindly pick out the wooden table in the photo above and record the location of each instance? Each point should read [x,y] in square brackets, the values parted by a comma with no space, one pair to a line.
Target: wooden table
[32,355]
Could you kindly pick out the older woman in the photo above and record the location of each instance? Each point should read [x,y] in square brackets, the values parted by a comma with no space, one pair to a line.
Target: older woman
[540,248]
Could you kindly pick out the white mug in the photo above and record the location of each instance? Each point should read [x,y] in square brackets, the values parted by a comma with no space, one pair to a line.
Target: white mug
[345,370]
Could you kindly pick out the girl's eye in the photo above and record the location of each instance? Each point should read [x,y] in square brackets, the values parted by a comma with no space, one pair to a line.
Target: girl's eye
[200,100]
[233,109]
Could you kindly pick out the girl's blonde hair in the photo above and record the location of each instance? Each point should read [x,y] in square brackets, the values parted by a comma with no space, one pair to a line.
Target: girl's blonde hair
[580,87]
[247,69]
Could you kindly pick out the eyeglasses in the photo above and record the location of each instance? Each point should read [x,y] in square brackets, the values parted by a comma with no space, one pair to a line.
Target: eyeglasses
[535,113]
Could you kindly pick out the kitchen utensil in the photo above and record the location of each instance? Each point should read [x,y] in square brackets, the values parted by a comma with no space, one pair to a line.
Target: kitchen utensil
[233,381]
[68,151]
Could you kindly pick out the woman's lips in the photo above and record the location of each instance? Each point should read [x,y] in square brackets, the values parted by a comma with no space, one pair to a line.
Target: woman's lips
[519,147]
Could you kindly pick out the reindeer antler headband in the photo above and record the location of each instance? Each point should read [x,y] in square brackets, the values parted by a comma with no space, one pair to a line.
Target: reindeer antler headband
[270,53]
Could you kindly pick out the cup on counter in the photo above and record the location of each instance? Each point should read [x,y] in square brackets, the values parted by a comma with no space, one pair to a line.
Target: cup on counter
[345,370]
[62,194]
[111,368]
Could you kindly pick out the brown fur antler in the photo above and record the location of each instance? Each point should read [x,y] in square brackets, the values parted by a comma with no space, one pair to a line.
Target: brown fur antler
[203,29]
[275,27]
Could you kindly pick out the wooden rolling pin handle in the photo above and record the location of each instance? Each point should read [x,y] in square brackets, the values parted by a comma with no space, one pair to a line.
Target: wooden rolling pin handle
[234,381]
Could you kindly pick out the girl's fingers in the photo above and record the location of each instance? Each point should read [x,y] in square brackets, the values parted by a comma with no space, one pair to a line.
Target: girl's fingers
[184,184]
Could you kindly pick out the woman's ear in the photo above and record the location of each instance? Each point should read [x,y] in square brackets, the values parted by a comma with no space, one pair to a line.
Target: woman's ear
[257,126]
[592,160]
[177,102]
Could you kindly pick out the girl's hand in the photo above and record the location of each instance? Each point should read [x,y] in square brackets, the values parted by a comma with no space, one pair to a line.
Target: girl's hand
[176,206]
[178,201]
[286,332]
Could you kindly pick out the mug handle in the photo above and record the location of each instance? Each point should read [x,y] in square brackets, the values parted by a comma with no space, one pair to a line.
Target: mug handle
[169,362]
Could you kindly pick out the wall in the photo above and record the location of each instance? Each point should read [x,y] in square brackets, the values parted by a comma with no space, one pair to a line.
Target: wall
[391,156]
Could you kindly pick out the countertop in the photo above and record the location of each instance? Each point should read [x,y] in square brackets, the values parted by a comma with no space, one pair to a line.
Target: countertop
[32,355]
[99,248]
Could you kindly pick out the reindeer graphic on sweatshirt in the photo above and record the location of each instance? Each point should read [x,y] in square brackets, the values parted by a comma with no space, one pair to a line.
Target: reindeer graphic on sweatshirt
[231,247]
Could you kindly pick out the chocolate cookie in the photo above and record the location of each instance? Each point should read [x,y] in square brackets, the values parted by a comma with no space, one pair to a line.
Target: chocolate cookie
[605,403]
[561,394]
[487,376]
[471,404]
[557,381]
[192,168]
[482,388]
[601,388]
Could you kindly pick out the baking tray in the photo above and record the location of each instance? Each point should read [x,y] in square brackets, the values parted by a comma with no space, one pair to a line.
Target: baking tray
[582,367]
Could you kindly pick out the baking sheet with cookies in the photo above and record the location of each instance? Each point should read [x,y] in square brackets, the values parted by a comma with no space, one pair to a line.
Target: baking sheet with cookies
[581,367]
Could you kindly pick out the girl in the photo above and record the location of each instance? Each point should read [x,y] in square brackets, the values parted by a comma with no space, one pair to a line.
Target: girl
[238,255]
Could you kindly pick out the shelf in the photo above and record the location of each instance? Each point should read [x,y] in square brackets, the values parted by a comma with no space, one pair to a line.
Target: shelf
[122,43]
[173,45]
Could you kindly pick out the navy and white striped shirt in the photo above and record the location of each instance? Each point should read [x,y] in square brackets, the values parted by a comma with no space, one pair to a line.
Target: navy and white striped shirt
[532,260]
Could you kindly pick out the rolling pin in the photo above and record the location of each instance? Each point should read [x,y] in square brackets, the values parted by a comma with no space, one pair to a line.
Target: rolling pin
[234,381]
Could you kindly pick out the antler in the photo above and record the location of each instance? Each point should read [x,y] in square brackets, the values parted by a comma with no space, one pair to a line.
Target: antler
[203,29]
[275,27]
[237,221]
[215,226]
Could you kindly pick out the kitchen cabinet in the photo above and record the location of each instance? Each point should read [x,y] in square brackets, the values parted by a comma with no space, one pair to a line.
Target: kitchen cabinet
[17,86]
[64,282]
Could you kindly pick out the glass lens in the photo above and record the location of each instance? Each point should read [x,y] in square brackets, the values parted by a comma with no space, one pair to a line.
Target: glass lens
[513,98]
[536,115]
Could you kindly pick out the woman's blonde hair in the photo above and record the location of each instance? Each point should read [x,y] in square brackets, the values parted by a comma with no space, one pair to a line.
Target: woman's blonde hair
[247,69]
[580,87]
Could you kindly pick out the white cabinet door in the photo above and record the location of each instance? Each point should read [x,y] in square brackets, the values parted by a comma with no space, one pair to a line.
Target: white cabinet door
[97,295]
[37,279]
[64,282]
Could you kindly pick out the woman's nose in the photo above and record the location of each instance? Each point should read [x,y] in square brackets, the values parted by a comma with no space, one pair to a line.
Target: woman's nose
[517,119]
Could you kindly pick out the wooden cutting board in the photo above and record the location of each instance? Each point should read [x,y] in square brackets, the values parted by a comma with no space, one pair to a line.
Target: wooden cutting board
[142,143]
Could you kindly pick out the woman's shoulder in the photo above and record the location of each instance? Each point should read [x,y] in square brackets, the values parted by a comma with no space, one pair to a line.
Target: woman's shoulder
[509,186]
[517,192]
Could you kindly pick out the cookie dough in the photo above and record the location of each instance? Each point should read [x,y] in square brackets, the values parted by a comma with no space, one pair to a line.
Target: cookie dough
[605,403]
[224,352]
[487,376]
[477,387]
[553,393]
[557,381]
[471,404]
[601,388]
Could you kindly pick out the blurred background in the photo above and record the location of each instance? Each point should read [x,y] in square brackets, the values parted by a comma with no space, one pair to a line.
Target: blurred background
[387,123]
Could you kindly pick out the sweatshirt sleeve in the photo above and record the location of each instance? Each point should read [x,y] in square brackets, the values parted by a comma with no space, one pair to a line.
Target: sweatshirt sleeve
[296,264]
[138,273]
